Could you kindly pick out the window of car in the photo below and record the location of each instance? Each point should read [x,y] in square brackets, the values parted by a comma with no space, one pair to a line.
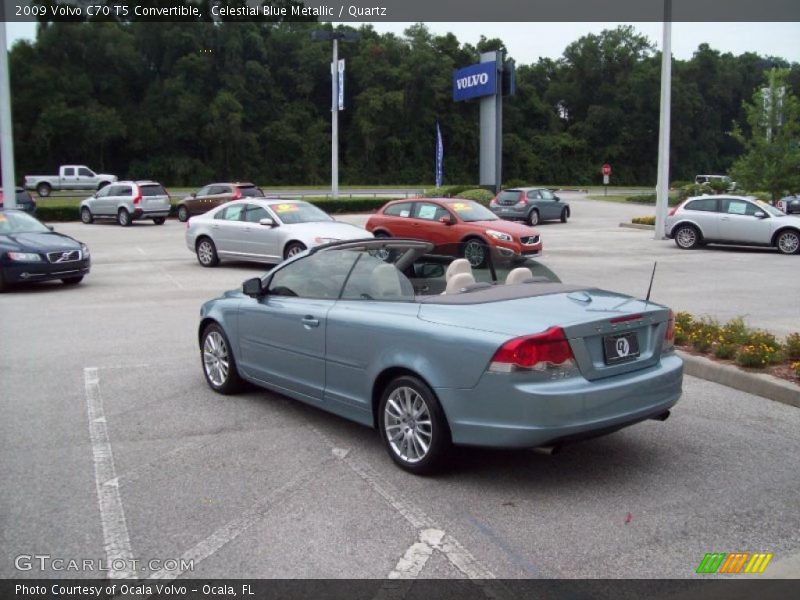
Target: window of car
[704,204]
[12,222]
[231,213]
[546,194]
[203,191]
[533,195]
[403,209]
[218,189]
[123,190]
[153,189]
[69,172]
[292,213]
[470,211]
[509,195]
[429,211]
[84,172]
[254,213]
[105,191]
[738,207]
[251,191]
[375,279]
[319,275]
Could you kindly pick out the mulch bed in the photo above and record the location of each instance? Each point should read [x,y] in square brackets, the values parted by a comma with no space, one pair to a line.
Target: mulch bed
[782,371]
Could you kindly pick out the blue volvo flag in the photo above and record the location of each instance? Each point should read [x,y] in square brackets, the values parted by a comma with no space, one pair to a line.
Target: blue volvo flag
[439,156]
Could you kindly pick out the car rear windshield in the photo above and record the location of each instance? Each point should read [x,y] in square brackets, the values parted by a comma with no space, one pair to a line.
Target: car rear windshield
[153,190]
[469,211]
[509,195]
[12,222]
[251,191]
[291,213]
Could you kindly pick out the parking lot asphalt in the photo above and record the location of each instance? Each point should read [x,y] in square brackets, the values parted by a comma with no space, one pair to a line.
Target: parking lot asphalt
[113,445]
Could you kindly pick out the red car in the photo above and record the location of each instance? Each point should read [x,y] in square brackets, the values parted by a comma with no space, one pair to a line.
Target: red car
[456,221]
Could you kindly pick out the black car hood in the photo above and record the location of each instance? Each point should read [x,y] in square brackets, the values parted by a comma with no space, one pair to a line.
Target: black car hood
[45,241]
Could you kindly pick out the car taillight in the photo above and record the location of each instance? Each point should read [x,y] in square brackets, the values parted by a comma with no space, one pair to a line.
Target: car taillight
[674,209]
[137,198]
[669,334]
[549,349]
[237,193]
[493,201]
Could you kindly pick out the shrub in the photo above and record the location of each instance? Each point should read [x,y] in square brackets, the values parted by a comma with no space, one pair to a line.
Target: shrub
[478,195]
[694,189]
[644,220]
[796,369]
[447,191]
[734,332]
[642,198]
[755,356]
[678,184]
[684,324]
[703,334]
[724,350]
[770,347]
[765,196]
[792,346]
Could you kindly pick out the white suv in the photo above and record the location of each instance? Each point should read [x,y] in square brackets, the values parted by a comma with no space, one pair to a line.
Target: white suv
[128,201]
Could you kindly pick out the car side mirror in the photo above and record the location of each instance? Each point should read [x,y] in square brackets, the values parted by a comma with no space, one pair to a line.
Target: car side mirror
[556,198]
[252,287]
[193,194]
[446,220]
[267,222]
[760,215]
[50,227]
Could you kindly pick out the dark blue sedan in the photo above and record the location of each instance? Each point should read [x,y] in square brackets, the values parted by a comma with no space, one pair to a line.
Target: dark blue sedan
[32,251]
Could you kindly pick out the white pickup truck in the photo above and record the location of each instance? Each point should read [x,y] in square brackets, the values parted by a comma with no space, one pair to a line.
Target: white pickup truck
[70,177]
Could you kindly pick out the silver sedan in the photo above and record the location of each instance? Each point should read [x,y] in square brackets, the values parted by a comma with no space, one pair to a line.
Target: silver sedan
[267,231]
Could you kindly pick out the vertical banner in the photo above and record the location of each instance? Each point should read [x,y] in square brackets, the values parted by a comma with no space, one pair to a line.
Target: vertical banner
[439,156]
[340,87]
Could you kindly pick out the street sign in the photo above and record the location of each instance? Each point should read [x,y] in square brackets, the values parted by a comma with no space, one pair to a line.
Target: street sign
[475,81]
[606,169]
[606,179]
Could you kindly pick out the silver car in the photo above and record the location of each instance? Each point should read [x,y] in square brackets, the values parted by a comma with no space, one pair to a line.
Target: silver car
[128,201]
[263,231]
[736,220]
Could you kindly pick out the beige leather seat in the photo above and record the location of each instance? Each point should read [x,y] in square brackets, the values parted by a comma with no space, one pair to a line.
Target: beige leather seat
[518,275]
[385,283]
[459,265]
[458,282]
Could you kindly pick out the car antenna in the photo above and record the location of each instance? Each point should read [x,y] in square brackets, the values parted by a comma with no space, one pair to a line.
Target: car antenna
[650,287]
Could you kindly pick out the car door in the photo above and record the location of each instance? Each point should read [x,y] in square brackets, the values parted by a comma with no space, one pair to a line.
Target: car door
[69,178]
[704,212]
[194,204]
[107,199]
[217,196]
[739,223]
[282,334]
[227,230]
[426,224]
[259,240]
[549,207]
[86,179]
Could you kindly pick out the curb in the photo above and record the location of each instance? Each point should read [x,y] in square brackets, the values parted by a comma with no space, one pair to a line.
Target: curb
[759,384]
[637,226]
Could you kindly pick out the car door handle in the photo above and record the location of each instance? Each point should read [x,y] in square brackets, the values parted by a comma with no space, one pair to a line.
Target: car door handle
[725,219]
[215,227]
[310,321]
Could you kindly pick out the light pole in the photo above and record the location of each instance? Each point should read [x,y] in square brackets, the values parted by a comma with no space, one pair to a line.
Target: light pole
[6,137]
[346,36]
[662,183]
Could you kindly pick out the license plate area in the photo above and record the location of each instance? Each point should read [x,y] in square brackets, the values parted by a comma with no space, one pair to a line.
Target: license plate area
[620,347]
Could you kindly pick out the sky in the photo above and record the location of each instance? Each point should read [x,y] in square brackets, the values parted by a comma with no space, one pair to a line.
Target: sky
[527,42]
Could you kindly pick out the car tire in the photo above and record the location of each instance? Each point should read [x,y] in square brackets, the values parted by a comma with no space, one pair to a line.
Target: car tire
[86,215]
[72,280]
[183,214]
[405,403]
[788,242]
[292,249]
[564,215]
[218,362]
[476,252]
[687,237]
[124,217]
[533,217]
[3,285]
[44,189]
[159,220]
[206,252]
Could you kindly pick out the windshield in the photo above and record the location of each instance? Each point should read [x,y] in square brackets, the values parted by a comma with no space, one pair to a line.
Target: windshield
[770,210]
[251,191]
[19,222]
[469,211]
[292,213]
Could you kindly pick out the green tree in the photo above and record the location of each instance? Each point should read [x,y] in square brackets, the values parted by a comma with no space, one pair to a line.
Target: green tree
[771,161]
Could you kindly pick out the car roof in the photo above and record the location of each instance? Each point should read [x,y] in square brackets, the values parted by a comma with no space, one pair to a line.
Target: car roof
[135,182]
[525,189]
[236,183]
[722,196]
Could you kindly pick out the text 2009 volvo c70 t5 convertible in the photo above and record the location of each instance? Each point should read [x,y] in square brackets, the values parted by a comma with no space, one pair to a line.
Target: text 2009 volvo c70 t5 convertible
[403,337]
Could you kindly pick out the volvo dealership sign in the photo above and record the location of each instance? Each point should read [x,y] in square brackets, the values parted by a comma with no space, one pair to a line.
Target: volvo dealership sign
[475,81]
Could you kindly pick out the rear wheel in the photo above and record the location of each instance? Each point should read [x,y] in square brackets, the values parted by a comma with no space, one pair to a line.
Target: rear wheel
[43,189]
[293,249]
[687,237]
[788,242]
[207,252]
[533,217]
[413,426]
[476,252]
[183,214]
[219,366]
[72,280]
[159,220]
[124,217]
[86,215]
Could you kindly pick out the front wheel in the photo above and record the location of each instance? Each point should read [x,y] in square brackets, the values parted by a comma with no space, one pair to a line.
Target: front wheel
[72,280]
[207,253]
[183,214]
[219,366]
[687,237]
[413,426]
[788,242]
[476,252]
[533,217]
[293,249]
[159,220]
[564,215]
[86,215]
[124,217]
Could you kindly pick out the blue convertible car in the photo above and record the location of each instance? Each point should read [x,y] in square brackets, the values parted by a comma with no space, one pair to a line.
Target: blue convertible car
[410,339]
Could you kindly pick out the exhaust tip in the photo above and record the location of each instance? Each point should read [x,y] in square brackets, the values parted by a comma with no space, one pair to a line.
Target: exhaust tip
[547,450]
[662,417]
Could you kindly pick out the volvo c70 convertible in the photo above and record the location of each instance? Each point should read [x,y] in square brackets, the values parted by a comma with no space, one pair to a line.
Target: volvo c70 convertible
[404,337]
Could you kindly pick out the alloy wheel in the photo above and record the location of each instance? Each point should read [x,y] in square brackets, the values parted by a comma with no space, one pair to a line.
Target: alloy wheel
[205,252]
[789,242]
[408,425]
[216,361]
[686,237]
[475,253]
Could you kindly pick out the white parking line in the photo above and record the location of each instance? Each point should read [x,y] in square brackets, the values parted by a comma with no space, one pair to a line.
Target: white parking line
[112,516]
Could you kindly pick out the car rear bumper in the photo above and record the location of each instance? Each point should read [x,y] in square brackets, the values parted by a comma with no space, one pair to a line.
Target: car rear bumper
[139,214]
[44,271]
[511,212]
[506,411]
